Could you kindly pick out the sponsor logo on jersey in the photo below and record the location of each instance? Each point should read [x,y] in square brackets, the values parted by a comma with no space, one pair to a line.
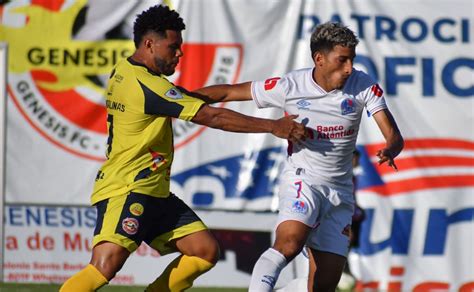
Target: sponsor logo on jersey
[157,159]
[174,93]
[332,132]
[130,225]
[270,83]
[136,209]
[347,106]
[299,207]
[303,104]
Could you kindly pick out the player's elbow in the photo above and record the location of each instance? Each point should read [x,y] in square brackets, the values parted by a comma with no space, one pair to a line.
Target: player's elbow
[208,116]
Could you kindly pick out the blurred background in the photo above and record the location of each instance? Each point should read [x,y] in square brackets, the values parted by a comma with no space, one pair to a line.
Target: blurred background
[56,56]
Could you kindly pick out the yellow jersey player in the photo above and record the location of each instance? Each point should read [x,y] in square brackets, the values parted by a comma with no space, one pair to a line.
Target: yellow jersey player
[132,189]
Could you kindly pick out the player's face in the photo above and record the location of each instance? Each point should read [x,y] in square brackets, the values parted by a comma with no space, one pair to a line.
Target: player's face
[167,52]
[333,68]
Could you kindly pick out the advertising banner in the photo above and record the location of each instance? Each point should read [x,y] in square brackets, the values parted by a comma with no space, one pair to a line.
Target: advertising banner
[60,57]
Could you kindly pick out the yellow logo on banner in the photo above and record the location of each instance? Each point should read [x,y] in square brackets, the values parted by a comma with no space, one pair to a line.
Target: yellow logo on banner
[54,78]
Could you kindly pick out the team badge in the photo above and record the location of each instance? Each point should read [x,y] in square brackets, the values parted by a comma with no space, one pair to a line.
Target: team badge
[130,225]
[347,106]
[137,209]
[299,207]
[174,93]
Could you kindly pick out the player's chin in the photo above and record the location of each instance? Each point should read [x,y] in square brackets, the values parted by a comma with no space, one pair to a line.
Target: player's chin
[340,84]
[169,72]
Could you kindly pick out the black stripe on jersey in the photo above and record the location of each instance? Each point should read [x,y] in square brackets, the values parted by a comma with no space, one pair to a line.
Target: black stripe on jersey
[110,119]
[156,105]
[144,173]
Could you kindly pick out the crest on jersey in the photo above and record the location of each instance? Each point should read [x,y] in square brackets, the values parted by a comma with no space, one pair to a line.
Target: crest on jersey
[130,225]
[300,207]
[174,93]
[348,106]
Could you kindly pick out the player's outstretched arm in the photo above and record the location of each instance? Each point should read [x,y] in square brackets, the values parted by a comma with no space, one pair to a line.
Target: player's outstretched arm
[224,92]
[392,135]
[228,120]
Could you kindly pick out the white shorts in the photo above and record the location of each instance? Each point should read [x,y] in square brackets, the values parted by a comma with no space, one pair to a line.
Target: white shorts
[327,210]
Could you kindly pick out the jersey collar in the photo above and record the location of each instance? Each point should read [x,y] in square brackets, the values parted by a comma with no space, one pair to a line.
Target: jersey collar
[135,63]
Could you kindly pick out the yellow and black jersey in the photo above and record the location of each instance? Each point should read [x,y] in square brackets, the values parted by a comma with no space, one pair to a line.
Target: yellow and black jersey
[140,105]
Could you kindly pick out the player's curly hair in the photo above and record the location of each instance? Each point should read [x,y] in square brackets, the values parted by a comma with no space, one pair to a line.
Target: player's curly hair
[158,19]
[330,34]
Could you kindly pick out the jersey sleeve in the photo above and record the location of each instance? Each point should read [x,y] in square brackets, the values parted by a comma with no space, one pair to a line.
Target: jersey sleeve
[164,98]
[270,92]
[374,99]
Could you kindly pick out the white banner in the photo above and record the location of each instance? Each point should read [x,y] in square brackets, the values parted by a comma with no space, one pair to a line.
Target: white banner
[420,51]
[49,244]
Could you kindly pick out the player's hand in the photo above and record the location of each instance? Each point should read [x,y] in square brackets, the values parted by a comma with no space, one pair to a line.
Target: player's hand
[287,128]
[385,155]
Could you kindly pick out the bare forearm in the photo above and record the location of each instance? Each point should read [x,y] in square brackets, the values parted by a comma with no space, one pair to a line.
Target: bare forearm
[390,131]
[224,92]
[228,120]
[395,143]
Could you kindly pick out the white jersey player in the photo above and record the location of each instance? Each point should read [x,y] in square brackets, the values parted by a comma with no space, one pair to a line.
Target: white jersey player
[316,200]
[333,118]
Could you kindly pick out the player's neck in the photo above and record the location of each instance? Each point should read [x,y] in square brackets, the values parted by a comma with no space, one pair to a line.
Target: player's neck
[321,81]
[139,57]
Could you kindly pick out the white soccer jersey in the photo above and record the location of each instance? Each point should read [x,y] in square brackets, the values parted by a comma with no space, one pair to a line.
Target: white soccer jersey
[333,118]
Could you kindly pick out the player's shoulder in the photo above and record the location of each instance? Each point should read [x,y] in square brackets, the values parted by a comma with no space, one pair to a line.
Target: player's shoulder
[299,74]
[296,81]
[358,81]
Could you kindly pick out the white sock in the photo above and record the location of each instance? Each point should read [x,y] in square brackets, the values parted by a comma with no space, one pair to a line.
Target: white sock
[266,271]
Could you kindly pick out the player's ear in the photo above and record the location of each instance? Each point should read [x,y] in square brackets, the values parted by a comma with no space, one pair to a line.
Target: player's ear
[318,58]
[148,43]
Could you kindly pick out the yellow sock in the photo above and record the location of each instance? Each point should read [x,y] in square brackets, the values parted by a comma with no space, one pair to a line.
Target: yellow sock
[86,280]
[180,274]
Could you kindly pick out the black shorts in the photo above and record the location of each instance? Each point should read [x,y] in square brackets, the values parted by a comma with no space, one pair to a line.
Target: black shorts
[130,219]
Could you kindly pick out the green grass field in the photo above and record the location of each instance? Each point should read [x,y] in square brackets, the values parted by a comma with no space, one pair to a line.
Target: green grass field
[14,287]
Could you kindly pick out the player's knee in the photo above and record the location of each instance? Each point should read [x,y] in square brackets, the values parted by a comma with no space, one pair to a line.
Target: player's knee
[108,270]
[209,251]
[290,248]
[108,263]
[213,252]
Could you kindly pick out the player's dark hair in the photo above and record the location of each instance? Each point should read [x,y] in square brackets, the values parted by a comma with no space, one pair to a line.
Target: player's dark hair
[330,34]
[158,19]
